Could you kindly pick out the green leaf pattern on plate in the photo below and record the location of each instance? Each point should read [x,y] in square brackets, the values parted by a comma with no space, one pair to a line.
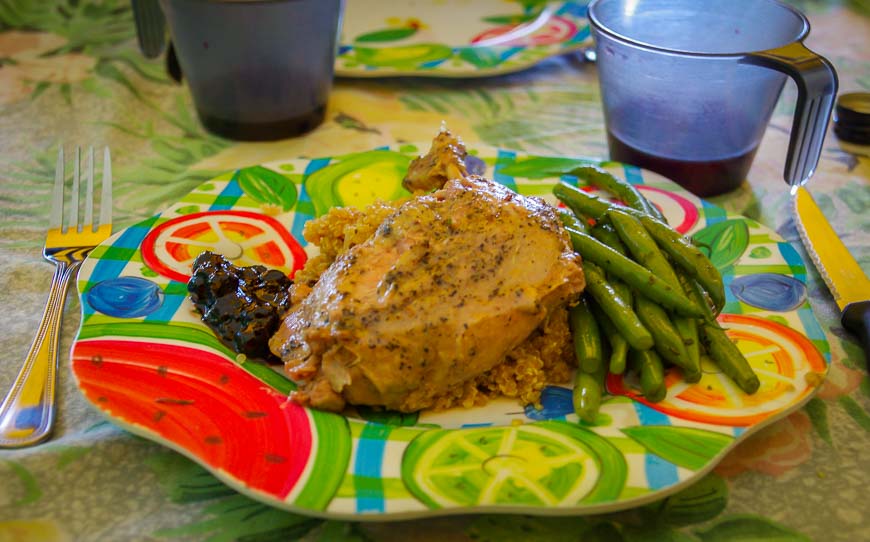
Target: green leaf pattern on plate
[389,34]
[724,242]
[358,180]
[267,187]
[684,446]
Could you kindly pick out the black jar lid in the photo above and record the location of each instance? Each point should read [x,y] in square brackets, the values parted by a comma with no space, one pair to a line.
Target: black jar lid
[852,117]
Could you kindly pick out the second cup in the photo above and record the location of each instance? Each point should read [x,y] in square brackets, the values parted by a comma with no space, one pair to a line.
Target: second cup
[257,70]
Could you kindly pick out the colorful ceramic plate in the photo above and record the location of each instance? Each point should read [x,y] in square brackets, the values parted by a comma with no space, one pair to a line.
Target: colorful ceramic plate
[456,38]
[143,358]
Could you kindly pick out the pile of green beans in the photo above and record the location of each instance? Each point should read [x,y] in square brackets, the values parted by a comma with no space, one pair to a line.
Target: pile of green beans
[651,296]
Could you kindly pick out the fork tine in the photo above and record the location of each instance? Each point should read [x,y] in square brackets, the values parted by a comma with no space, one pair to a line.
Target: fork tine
[74,196]
[89,193]
[106,195]
[56,218]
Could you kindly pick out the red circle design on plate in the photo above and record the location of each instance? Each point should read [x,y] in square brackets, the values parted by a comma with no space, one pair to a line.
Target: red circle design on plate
[690,212]
[269,253]
[616,383]
[200,403]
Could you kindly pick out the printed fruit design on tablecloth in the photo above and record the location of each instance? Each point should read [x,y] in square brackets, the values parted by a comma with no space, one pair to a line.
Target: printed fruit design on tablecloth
[209,408]
[786,362]
[243,237]
[542,464]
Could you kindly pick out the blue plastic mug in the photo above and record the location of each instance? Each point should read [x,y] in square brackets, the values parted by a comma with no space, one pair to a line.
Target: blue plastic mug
[688,87]
[257,69]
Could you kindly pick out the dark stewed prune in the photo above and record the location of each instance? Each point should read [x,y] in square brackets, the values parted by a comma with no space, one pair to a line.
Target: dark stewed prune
[243,305]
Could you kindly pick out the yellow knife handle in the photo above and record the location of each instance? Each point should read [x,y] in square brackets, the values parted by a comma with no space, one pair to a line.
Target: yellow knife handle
[856,318]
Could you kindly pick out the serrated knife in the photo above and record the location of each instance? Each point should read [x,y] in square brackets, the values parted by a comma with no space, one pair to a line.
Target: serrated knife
[844,277]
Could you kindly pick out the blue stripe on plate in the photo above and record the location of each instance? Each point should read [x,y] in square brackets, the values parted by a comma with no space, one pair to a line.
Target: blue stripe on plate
[171,304]
[432,64]
[632,174]
[228,197]
[299,218]
[504,158]
[369,457]
[569,179]
[511,51]
[712,213]
[649,416]
[660,473]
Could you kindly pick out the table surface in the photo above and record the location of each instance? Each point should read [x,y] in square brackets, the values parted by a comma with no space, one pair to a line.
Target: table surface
[75,75]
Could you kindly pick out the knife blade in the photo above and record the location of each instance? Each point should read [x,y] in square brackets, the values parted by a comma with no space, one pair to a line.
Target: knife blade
[842,274]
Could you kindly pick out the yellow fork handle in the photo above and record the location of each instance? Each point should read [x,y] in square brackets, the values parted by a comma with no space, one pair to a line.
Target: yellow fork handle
[28,411]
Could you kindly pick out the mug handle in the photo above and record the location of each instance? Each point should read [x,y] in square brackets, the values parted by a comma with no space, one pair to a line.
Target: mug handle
[150,27]
[816,82]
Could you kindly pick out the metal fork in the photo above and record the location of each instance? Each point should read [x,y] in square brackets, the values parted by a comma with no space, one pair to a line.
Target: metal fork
[28,411]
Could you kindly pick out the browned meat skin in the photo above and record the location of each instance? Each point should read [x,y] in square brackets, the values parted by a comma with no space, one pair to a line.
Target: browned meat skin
[444,161]
[448,285]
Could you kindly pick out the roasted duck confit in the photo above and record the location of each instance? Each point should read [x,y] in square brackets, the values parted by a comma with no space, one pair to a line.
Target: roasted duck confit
[449,284]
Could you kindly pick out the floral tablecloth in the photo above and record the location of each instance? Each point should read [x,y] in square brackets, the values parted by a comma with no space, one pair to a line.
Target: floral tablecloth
[71,73]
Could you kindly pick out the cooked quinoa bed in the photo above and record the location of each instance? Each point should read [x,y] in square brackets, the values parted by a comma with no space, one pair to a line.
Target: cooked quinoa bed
[545,357]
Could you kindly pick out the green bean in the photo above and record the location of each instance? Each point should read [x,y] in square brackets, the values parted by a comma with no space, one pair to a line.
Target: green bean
[619,311]
[591,369]
[574,222]
[632,273]
[683,252]
[645,250]
[668,341]
[618,344]
[580,202]
[688,257]
[587,336]
[728,357]
[696,293]
[586,396]
[605,233]
[621,189]
[652,374]
[641,245]
[722,350]
[689,330]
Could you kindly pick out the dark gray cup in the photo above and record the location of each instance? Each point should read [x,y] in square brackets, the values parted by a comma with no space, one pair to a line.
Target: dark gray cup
[257,70]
